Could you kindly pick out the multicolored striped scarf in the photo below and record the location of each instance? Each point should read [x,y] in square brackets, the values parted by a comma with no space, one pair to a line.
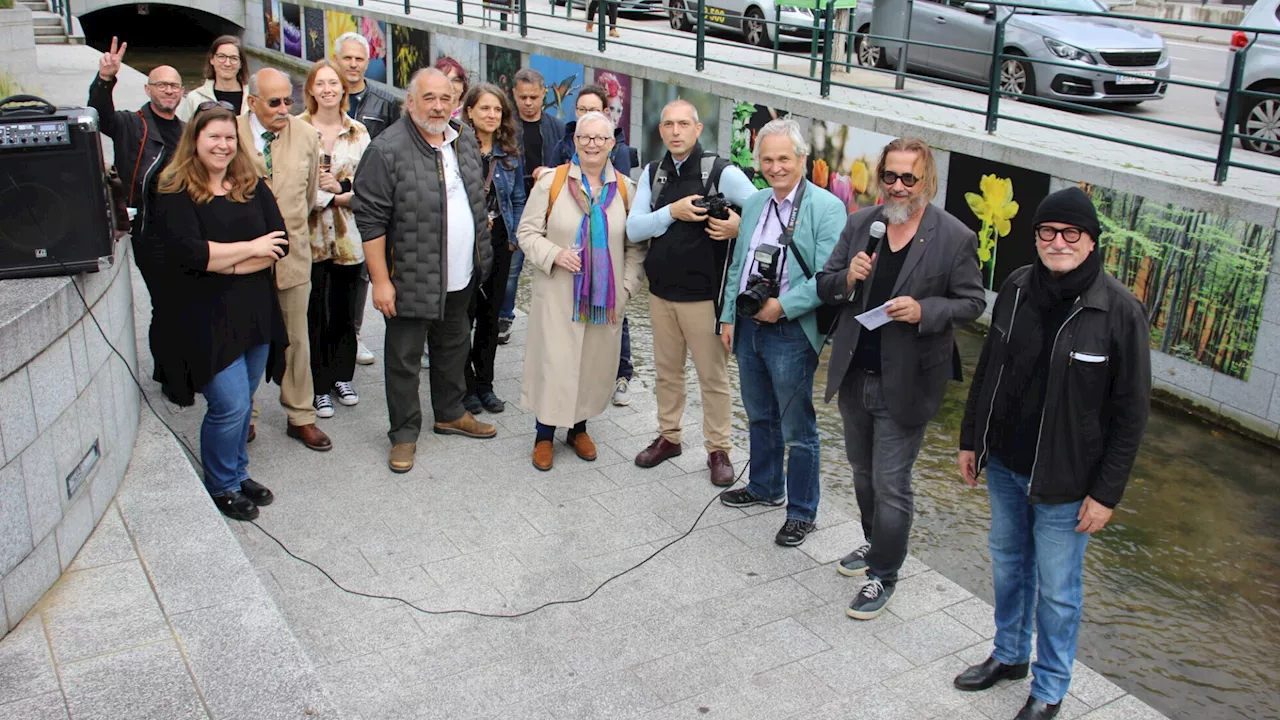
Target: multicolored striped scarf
[594,289]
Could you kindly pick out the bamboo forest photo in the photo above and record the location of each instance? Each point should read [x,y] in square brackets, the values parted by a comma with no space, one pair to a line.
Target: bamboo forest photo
[1201,277]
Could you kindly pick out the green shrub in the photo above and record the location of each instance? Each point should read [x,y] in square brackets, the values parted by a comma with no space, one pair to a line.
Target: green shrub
[6,4]
[8,86]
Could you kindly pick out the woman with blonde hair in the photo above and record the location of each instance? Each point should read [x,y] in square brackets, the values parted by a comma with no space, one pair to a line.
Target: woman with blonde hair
[226,79]
[337,253]
[219,234]
[574,232]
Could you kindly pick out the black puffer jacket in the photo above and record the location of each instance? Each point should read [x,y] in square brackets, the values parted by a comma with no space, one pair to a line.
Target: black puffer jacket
[1096,400]
[378,110]
[399,193]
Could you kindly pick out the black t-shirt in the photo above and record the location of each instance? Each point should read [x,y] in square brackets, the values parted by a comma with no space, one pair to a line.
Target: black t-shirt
[1018,434]
[235,97]
[532,134]
[170,132]
[353,103]
[889,267]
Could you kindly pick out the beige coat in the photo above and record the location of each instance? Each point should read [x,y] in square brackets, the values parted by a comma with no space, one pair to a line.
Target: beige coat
[294,180]
[570,367]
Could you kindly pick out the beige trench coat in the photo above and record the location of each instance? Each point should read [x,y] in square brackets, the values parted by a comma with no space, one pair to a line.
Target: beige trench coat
[570,367]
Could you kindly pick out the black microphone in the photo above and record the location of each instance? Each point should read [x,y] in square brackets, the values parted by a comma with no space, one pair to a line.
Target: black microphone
[877,232]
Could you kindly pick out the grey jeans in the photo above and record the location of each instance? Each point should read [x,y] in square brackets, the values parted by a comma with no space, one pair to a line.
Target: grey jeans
[882,453]
[450,340]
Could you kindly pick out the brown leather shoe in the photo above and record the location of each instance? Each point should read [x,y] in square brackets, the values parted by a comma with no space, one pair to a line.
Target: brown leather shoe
[311,436]
[657,451]
[467,426]
[582,444]
[542,452]
[721,468]
[401,458]
[253,434]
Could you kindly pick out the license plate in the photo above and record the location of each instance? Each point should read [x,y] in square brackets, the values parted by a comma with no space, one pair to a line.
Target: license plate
[1144,77]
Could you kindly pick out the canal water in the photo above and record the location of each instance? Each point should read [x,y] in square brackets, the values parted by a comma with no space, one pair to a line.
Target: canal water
[1182,590]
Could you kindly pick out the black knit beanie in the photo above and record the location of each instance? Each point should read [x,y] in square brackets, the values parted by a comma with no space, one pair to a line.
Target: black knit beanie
[1072,206]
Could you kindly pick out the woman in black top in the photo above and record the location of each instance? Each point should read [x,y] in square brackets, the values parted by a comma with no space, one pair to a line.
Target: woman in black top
[220,235]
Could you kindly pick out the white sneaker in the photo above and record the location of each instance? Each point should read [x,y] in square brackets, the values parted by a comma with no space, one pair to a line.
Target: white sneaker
[622,392]
[426,360]
[364,356]
[323,406]
[346,394]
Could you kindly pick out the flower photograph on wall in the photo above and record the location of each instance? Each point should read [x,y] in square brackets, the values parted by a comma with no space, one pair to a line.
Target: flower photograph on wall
[271,24]
[291,29]
[997,201]
[844,161]
[502,64]
[413,48]
[376,33]
[338,24]
[313,33]
[748,118]
[995,208]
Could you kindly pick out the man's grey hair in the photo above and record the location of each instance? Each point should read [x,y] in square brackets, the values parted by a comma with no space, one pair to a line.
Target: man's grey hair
[782,126]
[528,75]
[253,80]
[422,74]
[350,37]
[596,116]
[677,103]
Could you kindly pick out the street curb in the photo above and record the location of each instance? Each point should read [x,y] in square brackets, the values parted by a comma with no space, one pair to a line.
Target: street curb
[1202,39]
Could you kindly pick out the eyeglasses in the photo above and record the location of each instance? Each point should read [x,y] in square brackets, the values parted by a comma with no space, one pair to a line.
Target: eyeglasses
[166,86]
[889,177]
[584,110]
[1046,234]
[592,139]
[275,102]
[225,58]
[211,104]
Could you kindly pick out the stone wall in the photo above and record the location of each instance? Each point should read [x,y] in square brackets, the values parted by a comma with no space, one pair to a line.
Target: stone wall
[68,424]
[18,46]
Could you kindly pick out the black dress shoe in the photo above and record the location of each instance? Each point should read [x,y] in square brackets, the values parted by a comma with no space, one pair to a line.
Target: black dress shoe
[1037,709]
[472,404]
[257,492]
[988,673]
[491,402]
[236,505]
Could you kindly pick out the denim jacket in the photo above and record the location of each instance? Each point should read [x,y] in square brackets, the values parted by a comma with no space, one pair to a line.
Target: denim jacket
[509,182]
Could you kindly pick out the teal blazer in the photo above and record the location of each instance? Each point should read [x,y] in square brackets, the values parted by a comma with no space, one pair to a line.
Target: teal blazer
[822,219]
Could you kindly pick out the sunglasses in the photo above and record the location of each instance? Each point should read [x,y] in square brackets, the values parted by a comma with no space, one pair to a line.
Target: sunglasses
[889,177]
[276,102]
[211,104]
[1046,234]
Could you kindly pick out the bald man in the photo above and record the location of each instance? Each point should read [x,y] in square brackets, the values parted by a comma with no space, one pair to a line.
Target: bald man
[285,151]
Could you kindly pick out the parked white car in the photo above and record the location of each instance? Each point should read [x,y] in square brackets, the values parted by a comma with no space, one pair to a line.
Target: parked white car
[755,18]
[1258,117]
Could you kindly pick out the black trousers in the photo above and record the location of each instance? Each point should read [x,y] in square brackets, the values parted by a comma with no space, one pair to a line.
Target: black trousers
[609,7]
[484,314]
[450,342]
[331,323]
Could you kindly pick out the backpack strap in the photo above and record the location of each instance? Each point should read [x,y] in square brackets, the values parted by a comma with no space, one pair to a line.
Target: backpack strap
[712,167]
[557,184]
[657,183]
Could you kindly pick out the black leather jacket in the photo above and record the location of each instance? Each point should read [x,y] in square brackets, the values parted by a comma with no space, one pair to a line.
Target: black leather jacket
[378,109]
[139,150]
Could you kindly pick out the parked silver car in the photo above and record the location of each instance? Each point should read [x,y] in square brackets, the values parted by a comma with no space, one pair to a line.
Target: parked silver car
[1097,49]
[755,18]
[1259,117]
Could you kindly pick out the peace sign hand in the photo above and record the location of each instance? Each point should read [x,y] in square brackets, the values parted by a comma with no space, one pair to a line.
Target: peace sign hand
[109,63]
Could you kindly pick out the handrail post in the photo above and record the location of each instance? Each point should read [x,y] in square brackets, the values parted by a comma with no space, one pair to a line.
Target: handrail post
[1227,139]
[824,88]
[524,17]
[700,57]
[459,11]
[849,43]
[602,14]
[777,23]
[997,60]
[407,7]
[813,39]
[900,82]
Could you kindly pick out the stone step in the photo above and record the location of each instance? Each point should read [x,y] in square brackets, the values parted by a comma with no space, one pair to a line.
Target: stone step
[34,5]
[53,40]
[46,20]
[47,30]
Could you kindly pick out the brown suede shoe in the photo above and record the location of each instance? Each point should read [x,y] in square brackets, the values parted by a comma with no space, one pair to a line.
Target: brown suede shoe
[721,468]
[311,436]
[582,444]
[542,452]
[253,434]
[401,458]
[657,451]
[467,426]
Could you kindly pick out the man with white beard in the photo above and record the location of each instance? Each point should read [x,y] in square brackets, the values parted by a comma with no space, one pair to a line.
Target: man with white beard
[921,264]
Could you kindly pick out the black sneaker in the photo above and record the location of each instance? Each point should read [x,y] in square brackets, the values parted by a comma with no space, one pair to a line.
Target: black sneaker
[504,331]
[257,492]
[743,497]
[855,563]
[870,600]
[472,404]
[793,532]
[236,505]
[492,403]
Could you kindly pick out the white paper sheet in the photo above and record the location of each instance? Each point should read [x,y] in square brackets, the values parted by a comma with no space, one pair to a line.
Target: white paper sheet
[875,317]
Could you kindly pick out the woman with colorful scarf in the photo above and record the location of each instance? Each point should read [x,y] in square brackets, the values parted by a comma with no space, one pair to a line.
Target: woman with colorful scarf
[574,232]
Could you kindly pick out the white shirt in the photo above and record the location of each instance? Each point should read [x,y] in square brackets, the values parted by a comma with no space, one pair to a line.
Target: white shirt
[460,224]
[257,128]
[772,222]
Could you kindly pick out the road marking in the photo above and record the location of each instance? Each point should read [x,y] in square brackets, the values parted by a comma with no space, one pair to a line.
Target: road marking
[1198,46]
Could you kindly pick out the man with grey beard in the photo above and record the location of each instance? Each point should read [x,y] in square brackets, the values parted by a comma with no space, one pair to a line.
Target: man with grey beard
[420,207]
[920,264]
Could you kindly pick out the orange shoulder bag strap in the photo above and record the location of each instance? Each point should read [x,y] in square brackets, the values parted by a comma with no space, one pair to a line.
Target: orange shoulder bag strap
[557,184]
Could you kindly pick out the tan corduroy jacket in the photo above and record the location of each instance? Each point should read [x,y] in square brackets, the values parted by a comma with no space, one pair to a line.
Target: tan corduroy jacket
[294,179]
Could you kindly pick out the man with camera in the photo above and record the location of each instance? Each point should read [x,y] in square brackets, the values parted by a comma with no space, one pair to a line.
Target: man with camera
[772,294]
[683,203]
[920,264]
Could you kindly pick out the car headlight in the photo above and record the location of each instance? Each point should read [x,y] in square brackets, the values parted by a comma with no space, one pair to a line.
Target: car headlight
[1069,52]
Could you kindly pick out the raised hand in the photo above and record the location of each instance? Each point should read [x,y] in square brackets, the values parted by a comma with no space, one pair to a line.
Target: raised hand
[109,63]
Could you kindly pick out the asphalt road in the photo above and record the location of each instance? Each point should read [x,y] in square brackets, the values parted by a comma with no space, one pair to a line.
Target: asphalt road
[1192,62]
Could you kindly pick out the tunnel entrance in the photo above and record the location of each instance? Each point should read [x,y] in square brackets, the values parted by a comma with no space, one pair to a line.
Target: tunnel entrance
[159,35]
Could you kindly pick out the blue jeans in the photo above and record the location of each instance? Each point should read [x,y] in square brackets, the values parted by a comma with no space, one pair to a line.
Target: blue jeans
[508,310]
[1035,545]
[225,430]
[776,364]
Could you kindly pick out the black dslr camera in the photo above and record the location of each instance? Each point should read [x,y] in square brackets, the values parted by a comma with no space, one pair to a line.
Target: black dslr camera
[715,204]
[761,286]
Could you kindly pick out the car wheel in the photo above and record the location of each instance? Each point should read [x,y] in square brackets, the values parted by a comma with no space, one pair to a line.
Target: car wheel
[679,16]
[755,30]
[1260,120]
[1016,75]
[869,55]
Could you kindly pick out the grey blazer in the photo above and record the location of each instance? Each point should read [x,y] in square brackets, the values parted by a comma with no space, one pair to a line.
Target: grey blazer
[941,272]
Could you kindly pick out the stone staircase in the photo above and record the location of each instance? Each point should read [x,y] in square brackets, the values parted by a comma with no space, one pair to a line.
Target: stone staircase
[50,28]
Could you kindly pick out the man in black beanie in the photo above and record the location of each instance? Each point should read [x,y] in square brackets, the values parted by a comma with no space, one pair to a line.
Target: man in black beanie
[1057,408]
